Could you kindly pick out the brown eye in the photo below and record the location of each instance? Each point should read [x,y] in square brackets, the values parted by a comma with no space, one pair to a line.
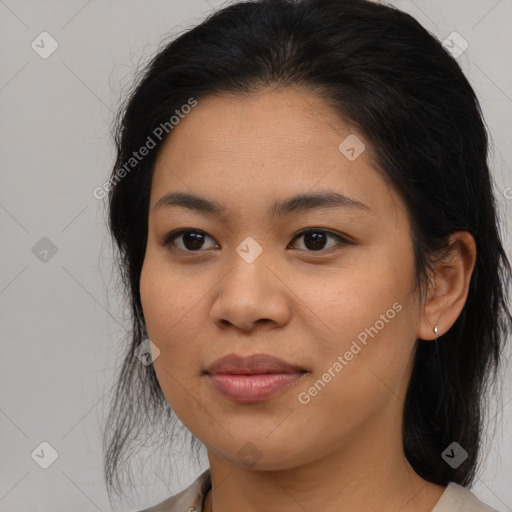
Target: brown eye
[316,239]
[191,240]
[194,240]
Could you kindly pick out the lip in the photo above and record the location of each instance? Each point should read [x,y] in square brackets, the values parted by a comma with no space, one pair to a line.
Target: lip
[252,378]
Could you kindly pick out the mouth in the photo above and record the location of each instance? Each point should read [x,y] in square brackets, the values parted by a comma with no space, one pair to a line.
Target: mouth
[253,378]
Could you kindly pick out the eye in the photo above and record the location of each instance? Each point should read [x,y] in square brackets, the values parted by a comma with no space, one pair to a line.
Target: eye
[315,239]
[191,240]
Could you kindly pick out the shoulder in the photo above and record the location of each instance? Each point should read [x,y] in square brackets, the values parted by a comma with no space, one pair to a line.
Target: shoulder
[459,499]
[454,499]
[191,498]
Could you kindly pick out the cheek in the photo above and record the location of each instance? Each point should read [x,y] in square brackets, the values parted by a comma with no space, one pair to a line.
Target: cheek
[360,374]
[167,309]
[155,302]
[351,298]
[175,317]
[368,317]
[167,300]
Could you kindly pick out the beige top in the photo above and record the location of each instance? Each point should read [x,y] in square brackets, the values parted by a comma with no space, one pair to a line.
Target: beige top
[454,499]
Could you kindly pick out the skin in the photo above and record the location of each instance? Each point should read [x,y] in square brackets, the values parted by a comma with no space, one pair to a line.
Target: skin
[343,449]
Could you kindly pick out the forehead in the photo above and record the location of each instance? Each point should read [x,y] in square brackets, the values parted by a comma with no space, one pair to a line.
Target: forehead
[239,126]
[267,145]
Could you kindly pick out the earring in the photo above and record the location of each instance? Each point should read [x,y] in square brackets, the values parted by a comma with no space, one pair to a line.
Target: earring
[436,330]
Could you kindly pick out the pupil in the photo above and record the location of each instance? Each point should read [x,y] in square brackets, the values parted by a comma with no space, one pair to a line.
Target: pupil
[317,240]
[192,240]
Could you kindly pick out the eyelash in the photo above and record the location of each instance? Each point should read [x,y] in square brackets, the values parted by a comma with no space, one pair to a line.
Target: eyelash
[341,240]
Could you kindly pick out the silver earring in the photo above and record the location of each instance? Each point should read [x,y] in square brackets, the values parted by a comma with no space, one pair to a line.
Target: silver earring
[436,330]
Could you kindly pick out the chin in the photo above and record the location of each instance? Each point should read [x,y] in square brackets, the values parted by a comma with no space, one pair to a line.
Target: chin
[264,455]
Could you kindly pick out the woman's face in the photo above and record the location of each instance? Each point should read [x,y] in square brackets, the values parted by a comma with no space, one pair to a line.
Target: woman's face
[246,280]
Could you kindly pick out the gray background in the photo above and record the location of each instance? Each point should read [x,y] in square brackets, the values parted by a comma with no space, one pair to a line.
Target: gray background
[61,318]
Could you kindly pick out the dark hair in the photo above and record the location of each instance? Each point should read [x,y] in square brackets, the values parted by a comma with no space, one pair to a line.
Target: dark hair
[393,81]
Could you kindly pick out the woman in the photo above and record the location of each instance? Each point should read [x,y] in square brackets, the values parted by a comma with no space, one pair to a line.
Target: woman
[308,235]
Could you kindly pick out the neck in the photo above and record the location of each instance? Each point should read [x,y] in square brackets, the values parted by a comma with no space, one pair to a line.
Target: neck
[367,473]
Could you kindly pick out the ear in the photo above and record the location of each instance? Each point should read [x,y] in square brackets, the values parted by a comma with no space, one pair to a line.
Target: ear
[449,287]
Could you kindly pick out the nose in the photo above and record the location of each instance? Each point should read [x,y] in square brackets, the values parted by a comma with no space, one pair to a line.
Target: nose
[250,295]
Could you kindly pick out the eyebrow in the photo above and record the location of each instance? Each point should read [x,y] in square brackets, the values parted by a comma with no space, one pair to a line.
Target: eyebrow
[297,203]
